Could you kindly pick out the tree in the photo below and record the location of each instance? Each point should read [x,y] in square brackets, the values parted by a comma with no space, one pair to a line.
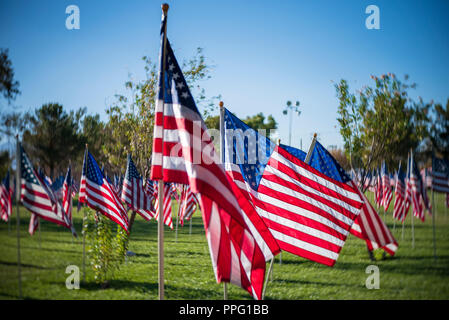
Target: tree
[8,86]
[440,130]
[53,136]
[380,122]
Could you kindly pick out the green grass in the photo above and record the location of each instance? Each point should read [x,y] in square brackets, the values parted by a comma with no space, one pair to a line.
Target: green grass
[411,274]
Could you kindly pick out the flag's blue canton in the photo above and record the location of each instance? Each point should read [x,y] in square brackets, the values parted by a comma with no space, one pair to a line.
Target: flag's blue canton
[323,161]
[401,175]
[68,177]
[176,88]
[441,166]
[385,169]
[132,170]
[294,151]
[57,184]
[256,149]
[27,169]
[93,172]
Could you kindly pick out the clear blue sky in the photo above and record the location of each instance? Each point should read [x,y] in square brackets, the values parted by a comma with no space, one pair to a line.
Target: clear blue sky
[264,52]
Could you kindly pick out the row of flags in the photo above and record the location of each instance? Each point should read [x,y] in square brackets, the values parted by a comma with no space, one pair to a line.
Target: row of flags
[258,200]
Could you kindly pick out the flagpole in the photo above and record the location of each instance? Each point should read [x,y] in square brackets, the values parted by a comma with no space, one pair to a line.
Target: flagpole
[312,146]
[223,159]
[412,213]
[280,253]
[18,183]
[82,228]
[434,209]
[160,190]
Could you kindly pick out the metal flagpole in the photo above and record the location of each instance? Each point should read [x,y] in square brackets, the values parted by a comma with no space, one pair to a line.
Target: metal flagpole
[434,209]
[412,214]
[223,159]
[266,279]
[160,191]
[18,163]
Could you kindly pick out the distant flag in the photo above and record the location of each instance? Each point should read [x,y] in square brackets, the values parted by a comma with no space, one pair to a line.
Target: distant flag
[133,192]
[99,194]
[399,195]
[187,204]
[37,197]
[34,224]
[386,187]
[57,187]
[174,192]
[419,192]
[440,175]
[67,194]
[168,192]
[378,195]
[308,213]
[5,198]
[82,191]
[236,256]
[149,189]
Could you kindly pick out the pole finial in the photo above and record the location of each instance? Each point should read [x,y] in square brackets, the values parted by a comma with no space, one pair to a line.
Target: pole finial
[279,141]
[221,104]
[314,135]
[165,7]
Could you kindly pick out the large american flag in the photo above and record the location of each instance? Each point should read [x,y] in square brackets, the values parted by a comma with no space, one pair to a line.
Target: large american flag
[180,136]
[440,174]
[133,192]
[98,194]
[368,225]
[5,198]
[399,196]
[386,187]
[67,194]
[308,213]
[37,197]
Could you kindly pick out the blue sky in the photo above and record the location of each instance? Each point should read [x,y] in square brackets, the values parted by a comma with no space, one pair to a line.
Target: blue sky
[263,52]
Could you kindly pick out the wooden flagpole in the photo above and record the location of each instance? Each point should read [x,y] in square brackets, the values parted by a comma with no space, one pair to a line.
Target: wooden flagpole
[160,190]
[280,253]
[223,159]
[18,187]
[82,227]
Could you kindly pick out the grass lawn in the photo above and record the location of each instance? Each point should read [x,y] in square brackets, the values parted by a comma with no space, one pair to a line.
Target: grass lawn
[411,274]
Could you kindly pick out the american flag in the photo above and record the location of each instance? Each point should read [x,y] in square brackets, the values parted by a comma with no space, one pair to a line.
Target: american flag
[379,190]
[368,225]
[308,213]
[5,198]
[187,205]
[98,193]
[67,194]
[418,191]
[399,195]
[440,174]
[386,188]
[57,187]
[168,192]
[236,255]
[37,197]
[133,192]
[149,189]
[34,223]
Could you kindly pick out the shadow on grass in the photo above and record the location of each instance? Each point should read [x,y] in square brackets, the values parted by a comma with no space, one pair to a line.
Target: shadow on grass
[23,265]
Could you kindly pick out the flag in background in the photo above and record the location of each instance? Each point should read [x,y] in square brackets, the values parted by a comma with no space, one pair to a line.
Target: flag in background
[67,194]
[308,213]
[133,192]
[440,174]
[168,192]
[34,224]
[379,190]
[418,191]
[37,197]
[188,204]
[5,198]
[236,255]
[399,195]
[99,194]
[386,187]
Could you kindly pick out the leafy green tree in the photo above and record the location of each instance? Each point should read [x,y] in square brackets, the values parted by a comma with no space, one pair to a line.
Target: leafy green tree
[9,87]
[380,122]
[53,136]
[4,163]
[440,130]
